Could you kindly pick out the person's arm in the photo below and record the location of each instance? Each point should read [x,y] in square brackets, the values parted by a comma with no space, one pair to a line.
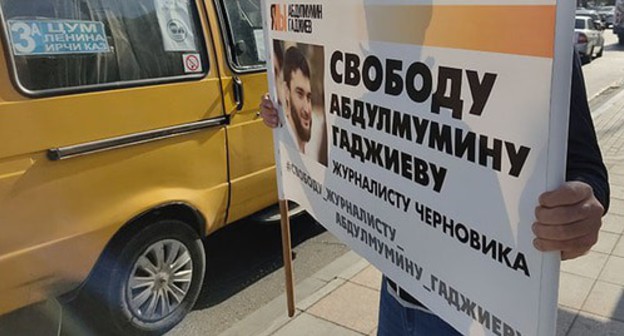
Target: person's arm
[584,158]
[568,218]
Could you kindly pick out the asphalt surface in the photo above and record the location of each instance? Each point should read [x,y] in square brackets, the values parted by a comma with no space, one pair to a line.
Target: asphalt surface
[244,263]
[605,75]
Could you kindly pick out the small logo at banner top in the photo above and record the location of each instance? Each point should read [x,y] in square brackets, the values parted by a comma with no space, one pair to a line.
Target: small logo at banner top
[192,63]
[279,19]
[295,18]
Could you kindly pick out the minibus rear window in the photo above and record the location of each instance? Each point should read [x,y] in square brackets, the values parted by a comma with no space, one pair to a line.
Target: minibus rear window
[64,45]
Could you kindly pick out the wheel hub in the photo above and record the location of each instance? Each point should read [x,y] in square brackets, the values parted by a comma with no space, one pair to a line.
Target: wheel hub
[160,280]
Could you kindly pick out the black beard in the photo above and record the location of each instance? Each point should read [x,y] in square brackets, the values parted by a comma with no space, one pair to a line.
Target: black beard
[302,133]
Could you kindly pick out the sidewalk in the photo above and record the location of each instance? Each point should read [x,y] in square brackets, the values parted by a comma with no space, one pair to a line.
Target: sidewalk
[342,299]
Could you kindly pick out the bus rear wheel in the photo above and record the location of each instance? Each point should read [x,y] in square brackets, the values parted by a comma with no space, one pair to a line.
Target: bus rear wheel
[148,285]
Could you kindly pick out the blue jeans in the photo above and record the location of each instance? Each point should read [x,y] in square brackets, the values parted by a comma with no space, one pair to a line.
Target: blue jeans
[398,320]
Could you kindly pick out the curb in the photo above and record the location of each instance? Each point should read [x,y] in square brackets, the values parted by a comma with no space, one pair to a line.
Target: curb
[616,84]
[272,316]
[609,104]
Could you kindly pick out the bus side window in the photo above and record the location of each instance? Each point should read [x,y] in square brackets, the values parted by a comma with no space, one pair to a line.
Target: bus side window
[84,44]
[244,26]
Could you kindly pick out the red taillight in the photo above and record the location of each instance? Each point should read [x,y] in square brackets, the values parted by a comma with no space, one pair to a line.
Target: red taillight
[582,38]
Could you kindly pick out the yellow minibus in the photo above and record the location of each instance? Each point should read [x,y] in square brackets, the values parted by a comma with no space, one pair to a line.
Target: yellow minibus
[128,132]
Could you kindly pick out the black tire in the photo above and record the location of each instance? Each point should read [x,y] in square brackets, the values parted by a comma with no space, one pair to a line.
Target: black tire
[586,59]
[621,40]
[108,288]
[599,54]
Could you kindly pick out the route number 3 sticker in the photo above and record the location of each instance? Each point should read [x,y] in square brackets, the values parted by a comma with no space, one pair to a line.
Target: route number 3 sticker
[57,37]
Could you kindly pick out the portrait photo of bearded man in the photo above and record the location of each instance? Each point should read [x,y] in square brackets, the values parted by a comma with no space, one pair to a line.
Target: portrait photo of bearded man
[299,105]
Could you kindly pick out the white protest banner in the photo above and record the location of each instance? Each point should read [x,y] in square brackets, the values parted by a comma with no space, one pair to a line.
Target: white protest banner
[421,133]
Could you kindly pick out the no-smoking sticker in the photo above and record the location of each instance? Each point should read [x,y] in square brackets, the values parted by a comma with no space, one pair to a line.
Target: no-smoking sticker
[192,63]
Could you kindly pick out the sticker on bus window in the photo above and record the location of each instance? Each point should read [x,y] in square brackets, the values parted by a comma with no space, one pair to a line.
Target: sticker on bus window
[176,26]
[57,37]
[259,37]
[192,63]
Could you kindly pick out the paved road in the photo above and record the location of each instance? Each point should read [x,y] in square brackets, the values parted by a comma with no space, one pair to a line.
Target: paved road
[605,74]
[245,271]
